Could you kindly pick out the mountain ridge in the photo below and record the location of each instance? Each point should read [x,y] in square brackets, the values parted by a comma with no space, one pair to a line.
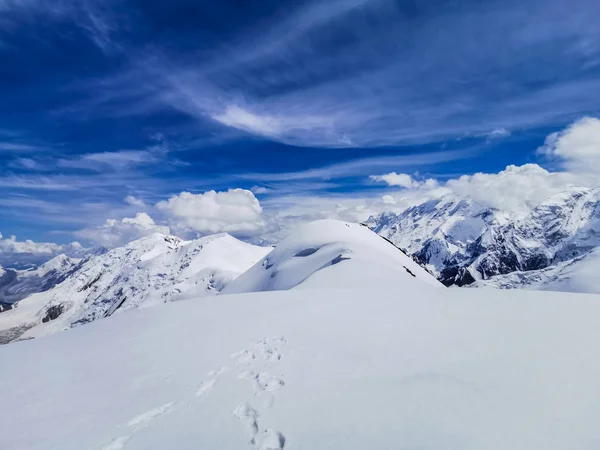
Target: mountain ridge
[150,270]
[462,241]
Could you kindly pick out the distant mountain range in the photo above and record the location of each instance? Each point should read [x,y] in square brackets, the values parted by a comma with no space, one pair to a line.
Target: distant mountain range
[555,246]
[154,269]
[466,243]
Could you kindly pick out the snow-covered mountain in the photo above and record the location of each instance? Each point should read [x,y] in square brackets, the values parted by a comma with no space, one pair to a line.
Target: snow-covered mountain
[580,274]
[461,241]
[330,253]
[154,269]
[18,284]
[389,361]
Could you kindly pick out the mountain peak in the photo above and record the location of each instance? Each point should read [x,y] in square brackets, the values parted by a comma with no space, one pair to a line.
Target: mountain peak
[325,252]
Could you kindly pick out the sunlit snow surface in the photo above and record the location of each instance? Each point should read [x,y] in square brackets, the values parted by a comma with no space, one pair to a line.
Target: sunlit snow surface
[399,364]
[331,254]
[419,368]
[581,274]
[152,270]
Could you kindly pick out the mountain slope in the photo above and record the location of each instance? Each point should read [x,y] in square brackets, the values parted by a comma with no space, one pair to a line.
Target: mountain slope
[18,284]
[462,242]
[155,269]
[331,253]
[581,274]
[412,368]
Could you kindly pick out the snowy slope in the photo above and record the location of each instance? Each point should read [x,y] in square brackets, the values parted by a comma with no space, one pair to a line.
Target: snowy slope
[461,241]
[18,284]
[413,368]
[329,254]
[439,232]
[154,269]
[581,274]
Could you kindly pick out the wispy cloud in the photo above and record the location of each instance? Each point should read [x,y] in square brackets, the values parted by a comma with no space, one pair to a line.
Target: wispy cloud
[92,16]
[16,147]
[367,73]
[364,166]
[100,162]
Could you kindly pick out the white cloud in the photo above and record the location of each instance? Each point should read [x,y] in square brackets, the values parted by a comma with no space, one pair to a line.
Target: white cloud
[260,190]
[517,188]
[92,17]
[279,126]
[396,179]
[15,147]
[134,201]
[236,117]
[281,82]
[404,180]
[19,253]
[119,232]
[360,166]
[121,160]
[577,147]
[498,133]
[236,211]
[388,200]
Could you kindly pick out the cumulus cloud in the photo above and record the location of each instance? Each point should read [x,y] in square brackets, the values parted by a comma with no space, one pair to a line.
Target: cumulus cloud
[396,179]
[577,147]
[134,201]
[15,253]
[403,180]
[236,211]
[388,200]
[519,188]
[119,232]
[515,189]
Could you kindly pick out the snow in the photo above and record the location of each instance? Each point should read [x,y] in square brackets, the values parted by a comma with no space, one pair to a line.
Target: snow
[152,270]
[356,355]
[16,285]
[329,254]
[461,241]
[315,369]
[581,274]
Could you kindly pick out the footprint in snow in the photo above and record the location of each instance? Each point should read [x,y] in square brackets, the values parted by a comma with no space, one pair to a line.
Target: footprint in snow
[206,387]
[272,440]
[264,385]
[265,382]
[144,419]
[249,418]
[117,443]
[138,423]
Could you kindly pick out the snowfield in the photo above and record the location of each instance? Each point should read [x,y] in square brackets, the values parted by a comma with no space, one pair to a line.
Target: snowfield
[418,367]
[357,353]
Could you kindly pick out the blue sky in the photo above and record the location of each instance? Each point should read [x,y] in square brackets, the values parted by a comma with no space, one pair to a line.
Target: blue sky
[115,99]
